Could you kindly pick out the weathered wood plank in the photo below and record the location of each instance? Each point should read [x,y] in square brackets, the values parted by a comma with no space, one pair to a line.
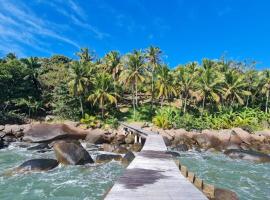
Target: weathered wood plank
[153,175]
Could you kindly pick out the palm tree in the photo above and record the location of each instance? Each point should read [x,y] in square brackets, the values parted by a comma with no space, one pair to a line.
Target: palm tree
[133,74]
[164,83]
[209,83]
[79,77]
[235,87]
[85,55]
[103,91]
[112,65]
[185,77]
[265,80]
[153,56]
[33,66]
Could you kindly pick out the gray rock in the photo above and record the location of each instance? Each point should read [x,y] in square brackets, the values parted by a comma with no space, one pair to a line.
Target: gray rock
[50,132]
[247,155]
[128,158]
[97,136]
[37,165]
[39,147]
[181,147]
[107,158]
[71,153]
[224,194]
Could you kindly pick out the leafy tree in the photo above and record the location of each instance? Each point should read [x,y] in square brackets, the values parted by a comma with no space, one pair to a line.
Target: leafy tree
[153,55]
[78,81]
[165,84]
[209,83]
[103,92]
[235,87]
[133,74]
[265,80]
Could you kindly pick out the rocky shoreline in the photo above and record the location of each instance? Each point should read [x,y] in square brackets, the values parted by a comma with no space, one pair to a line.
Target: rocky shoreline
[66,140]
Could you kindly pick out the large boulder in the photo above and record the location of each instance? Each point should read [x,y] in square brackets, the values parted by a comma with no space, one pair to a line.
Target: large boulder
[208,139]
[265,133]
[37,165]
[71,153]
[101,158]
[247,155]
[50,132]
[120,149]
[128,158]
[243,135]
[130,138]
[15,129]
[98,136]
[136,147]
[181,147]
[41,146]
[224,136]
[223,194]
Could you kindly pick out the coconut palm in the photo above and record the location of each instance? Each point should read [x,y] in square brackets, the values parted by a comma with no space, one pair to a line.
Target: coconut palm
[102,92]
[79,77]
[33,66]
[209,83]
[85,55]
[133,74]
[153,56]
[164,84]
[112,65]
[235,87]
[185,78]
[265,80]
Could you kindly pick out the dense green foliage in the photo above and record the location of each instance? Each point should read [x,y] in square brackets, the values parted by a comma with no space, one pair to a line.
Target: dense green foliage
[138,86]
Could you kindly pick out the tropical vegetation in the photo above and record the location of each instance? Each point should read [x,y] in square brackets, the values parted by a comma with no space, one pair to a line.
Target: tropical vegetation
[139,86]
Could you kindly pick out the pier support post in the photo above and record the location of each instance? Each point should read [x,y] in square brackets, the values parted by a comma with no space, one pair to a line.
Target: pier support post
[136,139]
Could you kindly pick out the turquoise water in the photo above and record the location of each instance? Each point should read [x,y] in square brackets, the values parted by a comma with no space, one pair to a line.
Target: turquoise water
[251,181]
[62,183]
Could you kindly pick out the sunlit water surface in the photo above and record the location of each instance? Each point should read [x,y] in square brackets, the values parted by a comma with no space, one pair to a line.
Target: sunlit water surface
[62,183]
[251,181]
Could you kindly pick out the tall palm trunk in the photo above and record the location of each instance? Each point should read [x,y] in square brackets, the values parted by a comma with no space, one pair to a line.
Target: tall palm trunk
[136,91]
[152,91]
[203,105]
[162,101]
[266,102]
[102,108]
[133,100]
[114,87]
[185,104]
[81,104]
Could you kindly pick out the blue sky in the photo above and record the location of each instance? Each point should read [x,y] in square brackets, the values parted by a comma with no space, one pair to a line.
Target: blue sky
[186,30]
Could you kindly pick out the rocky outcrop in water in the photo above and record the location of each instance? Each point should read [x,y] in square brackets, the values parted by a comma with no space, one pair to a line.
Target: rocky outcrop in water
[50,132]
[71,153]
[223,194]
[101,158]
[248,155]
[218,140]
[37,165]
[128,158]
[98,136]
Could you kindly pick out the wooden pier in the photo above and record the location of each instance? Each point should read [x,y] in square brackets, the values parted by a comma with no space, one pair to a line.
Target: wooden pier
[152,175]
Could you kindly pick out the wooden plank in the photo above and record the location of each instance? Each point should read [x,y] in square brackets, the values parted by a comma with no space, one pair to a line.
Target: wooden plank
[153,174]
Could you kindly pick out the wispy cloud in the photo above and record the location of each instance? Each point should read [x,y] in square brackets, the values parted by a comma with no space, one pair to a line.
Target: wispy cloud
[76,15]
[23,27]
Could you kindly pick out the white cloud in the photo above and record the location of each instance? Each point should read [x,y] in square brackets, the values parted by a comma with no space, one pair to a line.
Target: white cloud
[22,26]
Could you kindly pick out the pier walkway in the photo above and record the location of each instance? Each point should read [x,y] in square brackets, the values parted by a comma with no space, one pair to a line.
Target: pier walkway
[153,175]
